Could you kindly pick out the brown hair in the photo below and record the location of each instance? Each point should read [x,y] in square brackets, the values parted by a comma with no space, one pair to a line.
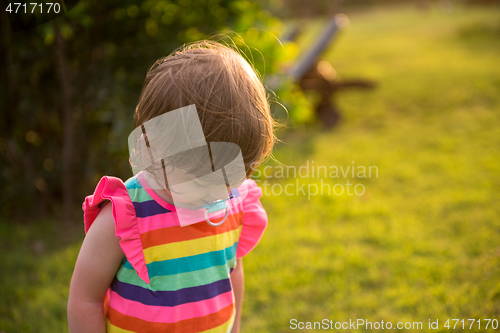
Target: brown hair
[230,99]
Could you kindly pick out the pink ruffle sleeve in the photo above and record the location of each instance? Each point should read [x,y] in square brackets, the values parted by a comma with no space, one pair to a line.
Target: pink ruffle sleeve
[254,220]
[126,227]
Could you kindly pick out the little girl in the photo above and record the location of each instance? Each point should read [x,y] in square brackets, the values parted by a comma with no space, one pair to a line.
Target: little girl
[143,266]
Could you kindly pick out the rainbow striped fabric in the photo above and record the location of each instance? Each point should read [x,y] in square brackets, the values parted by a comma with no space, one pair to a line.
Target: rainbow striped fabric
[173,279]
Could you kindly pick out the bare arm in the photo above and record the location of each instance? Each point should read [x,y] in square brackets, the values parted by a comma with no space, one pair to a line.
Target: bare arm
[238,282]
[96,266]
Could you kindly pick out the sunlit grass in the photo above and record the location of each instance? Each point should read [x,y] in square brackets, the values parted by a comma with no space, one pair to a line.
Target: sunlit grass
[422,242]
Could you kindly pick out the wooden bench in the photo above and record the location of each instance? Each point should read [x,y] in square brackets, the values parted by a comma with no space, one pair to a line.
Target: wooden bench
[313,74]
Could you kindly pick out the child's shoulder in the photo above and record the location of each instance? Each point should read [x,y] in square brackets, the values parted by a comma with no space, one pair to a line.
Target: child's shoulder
[109,189]
[251,191]
[115,195]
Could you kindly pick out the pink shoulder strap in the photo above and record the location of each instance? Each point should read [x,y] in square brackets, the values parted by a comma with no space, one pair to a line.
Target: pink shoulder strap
[126,227]
[254,220]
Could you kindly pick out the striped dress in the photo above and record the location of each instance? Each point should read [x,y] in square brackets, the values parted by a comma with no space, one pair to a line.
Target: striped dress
[173,278]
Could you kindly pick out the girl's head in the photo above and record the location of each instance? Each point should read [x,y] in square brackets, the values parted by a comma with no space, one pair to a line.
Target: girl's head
[230,99]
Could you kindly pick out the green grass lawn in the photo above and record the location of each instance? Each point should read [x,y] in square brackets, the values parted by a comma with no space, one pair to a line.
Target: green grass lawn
[423,242]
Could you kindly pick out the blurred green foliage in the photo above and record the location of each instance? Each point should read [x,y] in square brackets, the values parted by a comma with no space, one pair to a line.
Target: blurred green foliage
[298,9]
[109,46]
